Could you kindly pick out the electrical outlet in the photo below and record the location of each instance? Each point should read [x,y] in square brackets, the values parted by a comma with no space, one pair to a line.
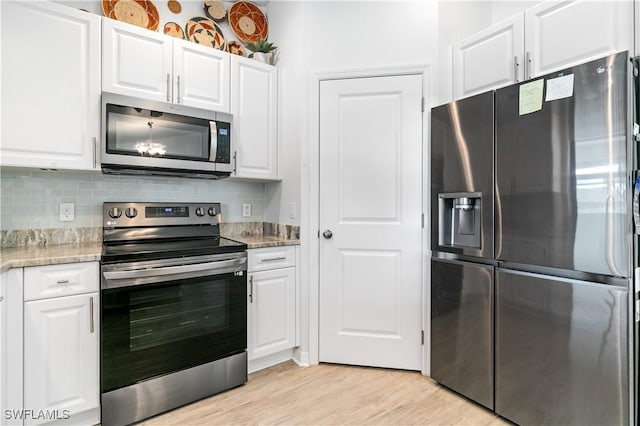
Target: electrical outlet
[292,210]
[67,212]
[246,209]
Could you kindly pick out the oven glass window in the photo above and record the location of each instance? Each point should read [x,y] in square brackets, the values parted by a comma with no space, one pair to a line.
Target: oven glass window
[151,330]
[140,132]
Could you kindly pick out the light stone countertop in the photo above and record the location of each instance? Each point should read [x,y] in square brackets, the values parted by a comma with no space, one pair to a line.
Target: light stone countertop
[262,241]
[18,257]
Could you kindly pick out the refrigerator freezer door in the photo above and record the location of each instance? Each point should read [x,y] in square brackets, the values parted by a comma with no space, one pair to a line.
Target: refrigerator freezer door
[561,172]
[462,167]
[561,351]
[462,328]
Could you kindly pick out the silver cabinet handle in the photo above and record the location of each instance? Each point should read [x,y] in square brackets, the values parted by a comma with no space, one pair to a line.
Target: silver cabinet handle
[273,259]
[178,89]
[235,161]
[168,87]
[516,66]
[527,67]
[63,281]
[251,289]
[1,298]
[95,152]
[91,325]
[327,234]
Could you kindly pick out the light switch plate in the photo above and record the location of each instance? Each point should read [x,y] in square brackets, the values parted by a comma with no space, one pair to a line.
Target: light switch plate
[246,209]
[67,212]
[292,210]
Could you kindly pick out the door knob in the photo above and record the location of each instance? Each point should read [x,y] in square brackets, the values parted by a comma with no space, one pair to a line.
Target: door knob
[327,234]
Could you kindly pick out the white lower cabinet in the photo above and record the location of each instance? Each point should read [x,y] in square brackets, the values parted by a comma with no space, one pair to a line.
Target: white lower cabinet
[61,361]
[11,305]
[49,345]
[271,333]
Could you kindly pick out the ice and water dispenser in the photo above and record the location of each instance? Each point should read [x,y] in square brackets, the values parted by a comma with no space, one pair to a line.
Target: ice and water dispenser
[460,219]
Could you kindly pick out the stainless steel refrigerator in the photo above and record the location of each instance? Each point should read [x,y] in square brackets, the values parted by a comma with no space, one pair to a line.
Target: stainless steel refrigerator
[533,247]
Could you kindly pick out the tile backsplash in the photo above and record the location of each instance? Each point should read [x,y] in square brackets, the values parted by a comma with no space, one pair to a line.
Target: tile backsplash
[30,199]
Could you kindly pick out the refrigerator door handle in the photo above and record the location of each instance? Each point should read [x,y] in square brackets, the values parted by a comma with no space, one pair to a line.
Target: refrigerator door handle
[636,205]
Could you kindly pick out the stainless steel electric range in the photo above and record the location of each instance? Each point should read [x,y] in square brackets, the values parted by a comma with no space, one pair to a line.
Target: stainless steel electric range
[174,308]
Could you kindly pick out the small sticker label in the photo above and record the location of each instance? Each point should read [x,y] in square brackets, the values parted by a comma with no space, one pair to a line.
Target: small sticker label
[531,97]
[559,88]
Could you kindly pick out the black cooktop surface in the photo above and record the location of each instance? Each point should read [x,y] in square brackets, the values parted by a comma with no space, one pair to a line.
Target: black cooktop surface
[166,249]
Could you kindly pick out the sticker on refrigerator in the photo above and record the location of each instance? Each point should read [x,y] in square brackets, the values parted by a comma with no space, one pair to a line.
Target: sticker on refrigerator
[531,97]
[559,88]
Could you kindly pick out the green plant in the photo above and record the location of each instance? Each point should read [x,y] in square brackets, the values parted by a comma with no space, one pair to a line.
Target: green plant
[262,45]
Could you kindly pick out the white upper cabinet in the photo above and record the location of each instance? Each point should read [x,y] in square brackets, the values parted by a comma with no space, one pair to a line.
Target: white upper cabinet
[201,76]
[562,34]
[146,64]
[547,37]
[254,104]
[50,111]
[489,59]
[136,61]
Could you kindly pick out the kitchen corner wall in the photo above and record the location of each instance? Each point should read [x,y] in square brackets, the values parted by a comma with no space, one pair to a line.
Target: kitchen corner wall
[31,198]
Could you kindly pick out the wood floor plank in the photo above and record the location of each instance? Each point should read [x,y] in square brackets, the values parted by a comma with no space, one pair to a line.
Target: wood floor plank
[329,394]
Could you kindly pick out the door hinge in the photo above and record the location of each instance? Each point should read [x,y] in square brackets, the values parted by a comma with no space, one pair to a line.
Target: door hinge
[422,104]
[422,218]
[637,310]
[422,336]
[318,233]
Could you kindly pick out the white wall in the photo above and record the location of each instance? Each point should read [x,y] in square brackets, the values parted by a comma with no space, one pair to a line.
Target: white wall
[285,29]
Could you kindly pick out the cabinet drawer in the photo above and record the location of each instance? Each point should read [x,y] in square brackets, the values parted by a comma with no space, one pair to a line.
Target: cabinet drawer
[271,258]
[42,282]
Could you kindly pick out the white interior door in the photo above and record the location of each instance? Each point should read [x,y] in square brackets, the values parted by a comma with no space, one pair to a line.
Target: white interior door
[371,202]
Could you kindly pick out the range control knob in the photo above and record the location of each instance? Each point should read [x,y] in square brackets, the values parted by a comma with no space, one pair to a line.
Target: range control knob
[211,211]
[115,212]
[131,212]
[200,211]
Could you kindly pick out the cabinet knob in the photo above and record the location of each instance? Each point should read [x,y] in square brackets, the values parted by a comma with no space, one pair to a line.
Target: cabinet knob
[327,234]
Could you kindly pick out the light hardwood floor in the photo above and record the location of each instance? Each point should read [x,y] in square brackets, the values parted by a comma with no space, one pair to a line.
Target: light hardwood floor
[329,394]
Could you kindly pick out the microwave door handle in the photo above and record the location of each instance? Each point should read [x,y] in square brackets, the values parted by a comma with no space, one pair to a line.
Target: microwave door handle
[213,151]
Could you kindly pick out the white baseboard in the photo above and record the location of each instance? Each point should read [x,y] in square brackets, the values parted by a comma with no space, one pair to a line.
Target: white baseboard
[301,357]
[269,360]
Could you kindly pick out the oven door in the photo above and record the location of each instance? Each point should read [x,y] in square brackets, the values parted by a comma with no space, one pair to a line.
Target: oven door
[161,319]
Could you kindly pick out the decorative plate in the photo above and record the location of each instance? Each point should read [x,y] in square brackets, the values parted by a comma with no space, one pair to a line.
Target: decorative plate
[142,13]
[174,6]
[215,10]
[236,48]
[204,31]
[248,22]
[174,30]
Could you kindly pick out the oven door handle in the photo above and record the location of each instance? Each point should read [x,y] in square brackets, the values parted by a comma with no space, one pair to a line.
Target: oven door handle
[210,267]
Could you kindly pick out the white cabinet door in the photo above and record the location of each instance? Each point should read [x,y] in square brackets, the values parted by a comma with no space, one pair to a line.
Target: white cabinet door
[201,76]
[271,312]
[11,320]
[61,362]
[136,61]
[255,119]
[50,86]
[489,59]
[562,34]
[636,28]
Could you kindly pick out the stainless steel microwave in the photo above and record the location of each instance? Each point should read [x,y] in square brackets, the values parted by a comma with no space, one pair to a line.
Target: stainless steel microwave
[154,138]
